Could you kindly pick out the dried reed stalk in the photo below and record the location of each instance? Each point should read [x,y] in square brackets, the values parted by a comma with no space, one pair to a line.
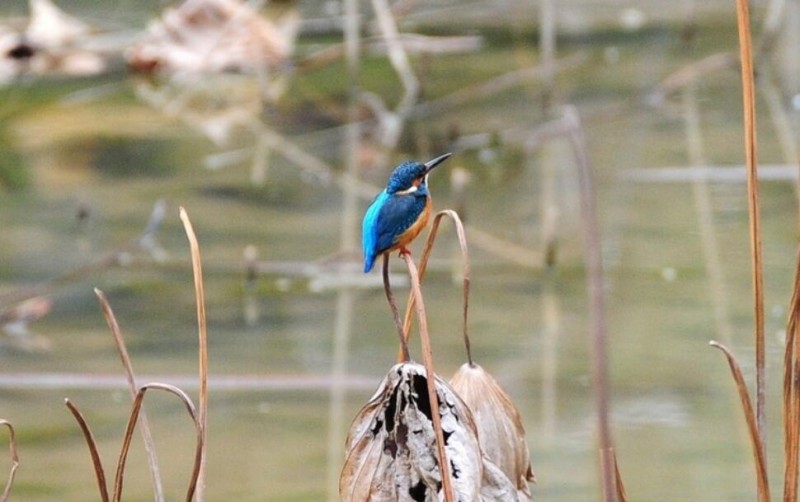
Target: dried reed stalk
[147,436]
[202,335]
[791,394]
[194,482]
[12,446]
[92,444]
[596,292]
[752,425]
[748,101]
[427,358]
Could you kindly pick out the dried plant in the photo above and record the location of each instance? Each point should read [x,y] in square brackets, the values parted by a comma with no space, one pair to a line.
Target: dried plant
[756,420]
[502,435]
[202,352]
[12,446]
[147,436]
[194,482]
[791,394]
[499,424]
[392,440]
[97,463]
[752,423]
[195,490]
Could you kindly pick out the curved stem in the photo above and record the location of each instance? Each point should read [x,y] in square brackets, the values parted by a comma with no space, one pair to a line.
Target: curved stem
[404,356]
[427,358]
[423,265]
[132,420]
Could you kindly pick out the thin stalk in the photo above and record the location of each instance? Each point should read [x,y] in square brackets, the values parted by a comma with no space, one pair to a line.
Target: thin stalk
[147,436]
[752,425]
[748,102]
[791,394]
[387,288]
[12,446]
[194,482]
[622,496]
[202,352]
[465,273]
[427,358]
[595,287]
[92,444]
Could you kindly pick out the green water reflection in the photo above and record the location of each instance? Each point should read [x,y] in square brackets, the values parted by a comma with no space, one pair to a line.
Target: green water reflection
[108,156]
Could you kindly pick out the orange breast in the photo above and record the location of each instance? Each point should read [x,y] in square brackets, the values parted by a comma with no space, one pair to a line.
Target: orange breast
[414,230]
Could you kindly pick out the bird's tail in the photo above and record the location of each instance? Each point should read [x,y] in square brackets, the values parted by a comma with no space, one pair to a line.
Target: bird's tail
[369,261]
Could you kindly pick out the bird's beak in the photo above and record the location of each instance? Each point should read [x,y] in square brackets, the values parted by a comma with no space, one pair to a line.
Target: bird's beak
[435,162]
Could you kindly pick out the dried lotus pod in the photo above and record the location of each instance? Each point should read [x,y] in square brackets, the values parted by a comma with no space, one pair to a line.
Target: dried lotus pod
[499,424]
[391,446]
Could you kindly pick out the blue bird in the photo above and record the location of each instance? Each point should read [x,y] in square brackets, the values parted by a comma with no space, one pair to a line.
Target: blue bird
[400,212]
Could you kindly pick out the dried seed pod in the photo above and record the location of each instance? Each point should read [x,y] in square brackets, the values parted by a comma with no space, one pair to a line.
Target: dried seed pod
[499,424]
[391,447]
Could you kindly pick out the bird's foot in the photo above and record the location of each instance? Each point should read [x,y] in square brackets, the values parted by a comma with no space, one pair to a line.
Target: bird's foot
[404,251]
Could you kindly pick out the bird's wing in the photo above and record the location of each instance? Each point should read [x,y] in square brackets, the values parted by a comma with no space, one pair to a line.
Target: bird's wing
[396,216]
[369,226]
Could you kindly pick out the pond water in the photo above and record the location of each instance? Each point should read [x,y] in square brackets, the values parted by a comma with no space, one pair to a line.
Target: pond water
[296,350]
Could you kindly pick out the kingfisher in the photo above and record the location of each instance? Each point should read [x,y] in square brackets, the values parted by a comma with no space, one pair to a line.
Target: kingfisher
[400,212]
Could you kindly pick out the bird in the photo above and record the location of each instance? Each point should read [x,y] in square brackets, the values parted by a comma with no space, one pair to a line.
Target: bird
[398,213]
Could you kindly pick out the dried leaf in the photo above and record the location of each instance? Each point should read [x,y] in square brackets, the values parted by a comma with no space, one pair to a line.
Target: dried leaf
[392,448]
[499,425]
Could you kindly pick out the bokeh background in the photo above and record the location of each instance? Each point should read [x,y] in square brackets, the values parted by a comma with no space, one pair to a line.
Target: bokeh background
[275,153]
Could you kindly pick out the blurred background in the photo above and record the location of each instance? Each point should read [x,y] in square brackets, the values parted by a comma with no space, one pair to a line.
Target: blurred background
[275,123]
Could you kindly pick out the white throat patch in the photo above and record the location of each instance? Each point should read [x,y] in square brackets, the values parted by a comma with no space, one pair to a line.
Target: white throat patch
[407,191]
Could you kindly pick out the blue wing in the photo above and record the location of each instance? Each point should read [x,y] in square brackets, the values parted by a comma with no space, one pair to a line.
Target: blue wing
[385,220]
[369,230]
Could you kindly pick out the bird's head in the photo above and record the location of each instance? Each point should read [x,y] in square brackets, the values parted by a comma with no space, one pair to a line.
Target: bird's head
[409,176]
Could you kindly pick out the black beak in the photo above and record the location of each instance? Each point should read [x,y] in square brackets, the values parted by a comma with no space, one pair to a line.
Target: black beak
[435,162]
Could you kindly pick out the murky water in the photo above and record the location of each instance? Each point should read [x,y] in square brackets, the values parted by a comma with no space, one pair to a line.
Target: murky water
[86,160]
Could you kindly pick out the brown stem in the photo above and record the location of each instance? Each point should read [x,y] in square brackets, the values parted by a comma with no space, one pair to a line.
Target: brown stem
[132,420]
[748,101]
[387,288]
[92,444]
[12,445]
[202,351]
[147,436]
[423,265]
[752,426]
[427,358]
[595,288]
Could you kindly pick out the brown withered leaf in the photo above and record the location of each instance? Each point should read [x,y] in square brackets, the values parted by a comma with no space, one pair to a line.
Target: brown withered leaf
[391,447]
[499,424]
